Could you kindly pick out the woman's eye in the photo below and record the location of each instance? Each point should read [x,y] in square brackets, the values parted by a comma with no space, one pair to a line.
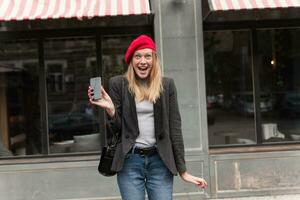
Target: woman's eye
[137,56]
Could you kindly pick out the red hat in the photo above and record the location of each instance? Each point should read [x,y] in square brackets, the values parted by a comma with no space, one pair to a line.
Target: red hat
[141,42]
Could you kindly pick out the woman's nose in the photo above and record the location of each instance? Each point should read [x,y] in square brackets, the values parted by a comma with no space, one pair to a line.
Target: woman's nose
[143,59]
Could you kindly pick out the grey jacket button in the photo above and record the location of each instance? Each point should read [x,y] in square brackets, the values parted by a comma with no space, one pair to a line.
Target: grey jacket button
[126,136]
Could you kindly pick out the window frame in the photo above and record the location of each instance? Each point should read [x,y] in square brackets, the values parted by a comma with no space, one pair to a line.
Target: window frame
[253,27]
[63,64]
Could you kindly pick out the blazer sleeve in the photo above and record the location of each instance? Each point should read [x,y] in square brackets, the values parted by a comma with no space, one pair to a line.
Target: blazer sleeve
[175,128]
[115,93]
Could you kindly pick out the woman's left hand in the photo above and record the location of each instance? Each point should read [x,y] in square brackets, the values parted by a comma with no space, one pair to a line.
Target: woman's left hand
[199,182]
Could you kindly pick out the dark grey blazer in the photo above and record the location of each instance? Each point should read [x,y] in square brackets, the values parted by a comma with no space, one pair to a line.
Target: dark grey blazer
[167,122]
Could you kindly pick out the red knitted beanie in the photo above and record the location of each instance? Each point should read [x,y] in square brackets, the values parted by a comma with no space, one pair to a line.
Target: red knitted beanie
[141,42]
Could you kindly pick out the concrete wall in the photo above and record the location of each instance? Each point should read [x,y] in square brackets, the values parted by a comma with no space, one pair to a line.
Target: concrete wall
[231,175]
[55,178]
[249,174]
[178,33]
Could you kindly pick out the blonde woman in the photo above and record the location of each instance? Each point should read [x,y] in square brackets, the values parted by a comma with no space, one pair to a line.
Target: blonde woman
[142,106]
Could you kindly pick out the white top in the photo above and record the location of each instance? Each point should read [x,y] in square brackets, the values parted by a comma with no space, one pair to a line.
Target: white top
[145,115]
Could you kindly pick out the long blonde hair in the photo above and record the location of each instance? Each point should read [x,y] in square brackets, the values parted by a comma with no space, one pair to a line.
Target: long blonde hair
[151,91]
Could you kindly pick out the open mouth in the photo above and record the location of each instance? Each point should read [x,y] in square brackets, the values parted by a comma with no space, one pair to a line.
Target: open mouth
[143,68]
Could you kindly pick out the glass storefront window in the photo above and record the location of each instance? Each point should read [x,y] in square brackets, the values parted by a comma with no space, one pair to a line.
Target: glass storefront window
[20,126]
[69,62]
[73,122]
[278,60]
[229,88]
[237,114]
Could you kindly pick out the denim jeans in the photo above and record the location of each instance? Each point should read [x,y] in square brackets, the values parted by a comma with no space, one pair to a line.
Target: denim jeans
[141,173]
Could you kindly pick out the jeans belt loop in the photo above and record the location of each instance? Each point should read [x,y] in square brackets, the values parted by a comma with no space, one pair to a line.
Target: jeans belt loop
[133,148]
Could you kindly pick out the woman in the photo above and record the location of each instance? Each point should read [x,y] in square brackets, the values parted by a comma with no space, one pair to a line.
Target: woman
[142,106]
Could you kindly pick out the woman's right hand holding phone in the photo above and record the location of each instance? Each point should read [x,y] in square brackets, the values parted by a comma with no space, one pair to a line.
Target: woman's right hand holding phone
[105,102]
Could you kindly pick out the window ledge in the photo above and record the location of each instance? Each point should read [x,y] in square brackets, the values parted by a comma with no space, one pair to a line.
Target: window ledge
[49,159]
[253,149]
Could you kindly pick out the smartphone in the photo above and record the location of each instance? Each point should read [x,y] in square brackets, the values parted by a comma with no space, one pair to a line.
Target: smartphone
[95,84]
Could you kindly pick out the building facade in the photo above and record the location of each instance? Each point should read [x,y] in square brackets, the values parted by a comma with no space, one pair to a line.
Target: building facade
[236,73]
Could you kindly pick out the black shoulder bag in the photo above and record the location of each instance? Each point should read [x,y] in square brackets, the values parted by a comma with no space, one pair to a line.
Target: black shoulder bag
[108,151]
[107,155]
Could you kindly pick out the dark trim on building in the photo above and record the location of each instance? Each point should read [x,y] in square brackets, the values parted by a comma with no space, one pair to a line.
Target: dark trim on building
[256,85]
[43,98]
[100,72]
[33,34]
[261,24]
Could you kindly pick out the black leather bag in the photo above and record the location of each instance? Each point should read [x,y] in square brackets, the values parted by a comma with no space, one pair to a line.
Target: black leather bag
[108,152]
[107,155]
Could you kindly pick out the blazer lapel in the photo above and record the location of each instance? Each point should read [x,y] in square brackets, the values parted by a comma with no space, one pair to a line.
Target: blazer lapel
[130,109]
[132,106]
[158,117]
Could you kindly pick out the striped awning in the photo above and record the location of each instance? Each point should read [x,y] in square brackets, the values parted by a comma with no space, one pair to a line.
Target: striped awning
[54,9]
[218,5]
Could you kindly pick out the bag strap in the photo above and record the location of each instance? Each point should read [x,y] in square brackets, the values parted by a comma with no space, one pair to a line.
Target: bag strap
[116,137]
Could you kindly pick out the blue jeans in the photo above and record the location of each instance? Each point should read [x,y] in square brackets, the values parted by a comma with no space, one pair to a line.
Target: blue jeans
[141,173]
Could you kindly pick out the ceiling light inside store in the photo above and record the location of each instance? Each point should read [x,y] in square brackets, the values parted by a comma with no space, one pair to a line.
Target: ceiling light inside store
[272,62]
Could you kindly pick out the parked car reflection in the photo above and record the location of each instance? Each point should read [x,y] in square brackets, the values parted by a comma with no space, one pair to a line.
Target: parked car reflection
[244,104]
[64,127]
[290,105]
[215,101]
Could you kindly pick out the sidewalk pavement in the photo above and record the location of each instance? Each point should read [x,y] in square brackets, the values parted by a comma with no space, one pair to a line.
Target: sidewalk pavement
[188,197]
[279,197]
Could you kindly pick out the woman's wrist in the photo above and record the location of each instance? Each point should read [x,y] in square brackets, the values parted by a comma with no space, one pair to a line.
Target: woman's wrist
[182,173]
[111,111]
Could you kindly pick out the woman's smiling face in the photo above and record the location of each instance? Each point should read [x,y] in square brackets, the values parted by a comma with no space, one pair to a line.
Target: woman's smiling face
[142,63]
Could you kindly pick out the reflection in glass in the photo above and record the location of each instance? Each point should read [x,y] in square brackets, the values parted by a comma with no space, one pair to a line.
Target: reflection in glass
[73,122]
[20,126]
[279,60]
[70,63]
[229,90]
[114,48]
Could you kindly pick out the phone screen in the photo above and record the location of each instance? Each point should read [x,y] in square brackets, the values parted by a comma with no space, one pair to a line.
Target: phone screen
[95,83]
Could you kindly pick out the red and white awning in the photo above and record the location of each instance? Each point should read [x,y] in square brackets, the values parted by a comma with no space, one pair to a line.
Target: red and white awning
[216,5]
[54,9]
